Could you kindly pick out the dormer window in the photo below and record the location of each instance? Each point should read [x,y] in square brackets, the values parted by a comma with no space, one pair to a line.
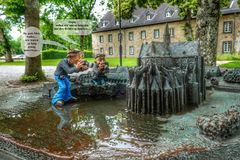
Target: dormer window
[169,13]
[149,16]
[133,19]
[116,23]
[104,23]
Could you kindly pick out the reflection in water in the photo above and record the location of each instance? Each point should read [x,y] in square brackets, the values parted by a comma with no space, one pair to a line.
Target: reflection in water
[96,127]
[104,129]
[64,115]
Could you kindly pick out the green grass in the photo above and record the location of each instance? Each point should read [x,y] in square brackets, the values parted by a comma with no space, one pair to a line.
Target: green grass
[227,57]
[231,65]
[130,62]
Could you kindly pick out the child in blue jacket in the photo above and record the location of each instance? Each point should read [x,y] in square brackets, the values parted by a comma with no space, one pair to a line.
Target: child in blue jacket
[73,63]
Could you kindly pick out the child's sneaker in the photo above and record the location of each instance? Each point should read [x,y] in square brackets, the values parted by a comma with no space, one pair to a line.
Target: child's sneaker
[59,105]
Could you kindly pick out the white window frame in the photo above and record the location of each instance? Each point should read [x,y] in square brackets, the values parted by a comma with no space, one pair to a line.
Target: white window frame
[109,39]
[227,26]
[171,32]
[130,36]
[227,46]
[104,23]
[117,23]
[101,38]
[110,50]
[131,50]
[145,35]
[149,16]
[154,33]
[101,50]
[168,14]
[133,19]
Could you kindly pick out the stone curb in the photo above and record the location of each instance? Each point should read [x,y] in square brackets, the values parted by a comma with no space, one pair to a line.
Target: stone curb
[28,152]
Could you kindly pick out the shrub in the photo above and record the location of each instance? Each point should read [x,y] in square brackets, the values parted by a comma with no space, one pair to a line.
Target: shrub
[26,78]
[33,78]
[88,54]
[228,57]
[60,54]
[54,54]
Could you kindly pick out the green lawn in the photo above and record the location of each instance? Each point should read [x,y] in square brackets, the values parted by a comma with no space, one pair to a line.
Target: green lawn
[53,62]
[231,65]
[227,57]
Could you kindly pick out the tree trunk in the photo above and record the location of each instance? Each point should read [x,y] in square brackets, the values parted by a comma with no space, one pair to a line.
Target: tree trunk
[82,42]
[188,27]
[207,29]
[33,65]
[6,46]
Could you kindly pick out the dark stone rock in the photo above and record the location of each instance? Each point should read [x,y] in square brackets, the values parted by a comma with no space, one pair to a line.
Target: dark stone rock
[219,126]
[212,72]
[214,81]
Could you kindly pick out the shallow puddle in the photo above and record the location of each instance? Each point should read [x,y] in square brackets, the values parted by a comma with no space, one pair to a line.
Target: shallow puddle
[103,128]
[103,125]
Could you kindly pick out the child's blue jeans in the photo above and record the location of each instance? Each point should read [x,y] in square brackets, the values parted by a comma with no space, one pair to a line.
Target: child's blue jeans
[64,90]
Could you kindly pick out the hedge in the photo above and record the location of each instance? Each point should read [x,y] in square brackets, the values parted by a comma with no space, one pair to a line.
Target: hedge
[59,54]
[228,57]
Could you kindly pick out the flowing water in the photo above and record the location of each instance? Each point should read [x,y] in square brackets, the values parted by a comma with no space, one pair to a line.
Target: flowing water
[103,128]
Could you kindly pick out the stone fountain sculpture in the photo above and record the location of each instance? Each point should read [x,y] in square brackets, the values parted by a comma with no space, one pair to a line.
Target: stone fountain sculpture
[82,84]
[169,78]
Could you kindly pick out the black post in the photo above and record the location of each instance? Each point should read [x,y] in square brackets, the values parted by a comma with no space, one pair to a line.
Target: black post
[120,31]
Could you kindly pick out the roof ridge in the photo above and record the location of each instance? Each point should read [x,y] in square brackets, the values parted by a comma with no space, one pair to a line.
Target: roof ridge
[158,18]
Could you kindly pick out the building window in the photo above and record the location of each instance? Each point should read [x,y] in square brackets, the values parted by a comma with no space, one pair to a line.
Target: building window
[169,12]
[110,51]
[171,32]
[101,50]
[133,19]
[104,23]
[130,36]
[227,46]
[156,33]
[143,34]
[227,27]
[116,23]
[131,50]
[149,16]
[101,39]
[110,38]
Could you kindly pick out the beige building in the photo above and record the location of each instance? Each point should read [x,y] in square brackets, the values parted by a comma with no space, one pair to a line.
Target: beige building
[148,25]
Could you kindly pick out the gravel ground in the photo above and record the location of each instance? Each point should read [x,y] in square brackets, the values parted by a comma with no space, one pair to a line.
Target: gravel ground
[8,73]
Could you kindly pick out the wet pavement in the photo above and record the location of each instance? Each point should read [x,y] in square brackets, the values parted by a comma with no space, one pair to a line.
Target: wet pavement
[7,156]
[104,129]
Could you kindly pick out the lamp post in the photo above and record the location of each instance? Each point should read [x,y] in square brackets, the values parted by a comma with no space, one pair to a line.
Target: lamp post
[120,31]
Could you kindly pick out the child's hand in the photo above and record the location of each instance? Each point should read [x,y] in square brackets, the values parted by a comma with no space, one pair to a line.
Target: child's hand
[78,65]
[81,65]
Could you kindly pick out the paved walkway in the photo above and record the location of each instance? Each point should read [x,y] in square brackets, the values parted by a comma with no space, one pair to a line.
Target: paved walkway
[223,62]
[14,72]
[8,73]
